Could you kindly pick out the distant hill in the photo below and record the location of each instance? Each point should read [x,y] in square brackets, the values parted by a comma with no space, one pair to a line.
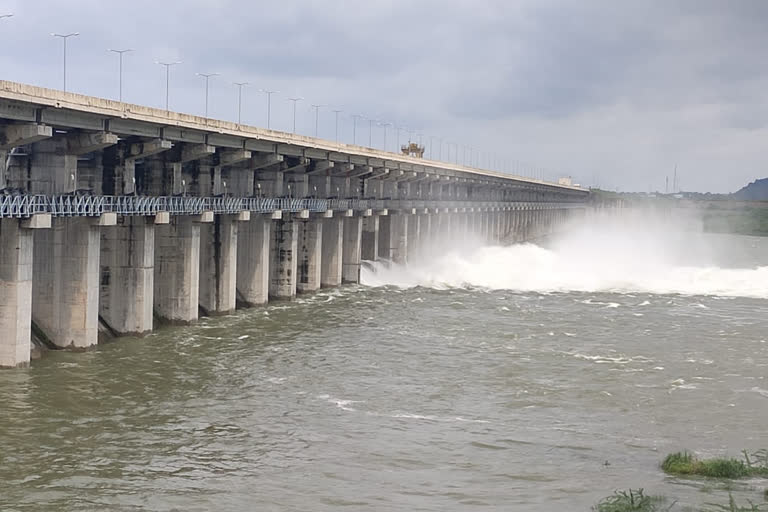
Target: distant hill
[755,191]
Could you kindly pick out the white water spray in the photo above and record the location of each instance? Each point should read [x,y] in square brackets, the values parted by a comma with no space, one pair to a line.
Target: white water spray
[634,252]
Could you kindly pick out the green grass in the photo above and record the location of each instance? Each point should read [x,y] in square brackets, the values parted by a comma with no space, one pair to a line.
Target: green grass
[637,501]
[631,500]
[687,464]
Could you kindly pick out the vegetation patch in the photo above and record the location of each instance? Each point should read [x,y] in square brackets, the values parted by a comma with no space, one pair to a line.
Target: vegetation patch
[687,464]
[631,500]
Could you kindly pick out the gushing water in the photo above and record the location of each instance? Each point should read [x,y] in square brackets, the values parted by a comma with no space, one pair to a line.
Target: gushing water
[634,252]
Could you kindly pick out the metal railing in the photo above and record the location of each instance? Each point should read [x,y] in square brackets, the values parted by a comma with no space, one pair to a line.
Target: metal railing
[23,206]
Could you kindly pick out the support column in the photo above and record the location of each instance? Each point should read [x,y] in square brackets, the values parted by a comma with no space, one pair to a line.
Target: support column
[283,263]
[16,248]
[370,249]
[65,290]
[393,243]
[127,275]
[332,250]
[414,234]
[218,265]
[310,255]
[253,260]
[351,257]
[177,270]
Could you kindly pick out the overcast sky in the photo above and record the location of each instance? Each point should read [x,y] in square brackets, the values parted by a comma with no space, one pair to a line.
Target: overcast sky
[614,93]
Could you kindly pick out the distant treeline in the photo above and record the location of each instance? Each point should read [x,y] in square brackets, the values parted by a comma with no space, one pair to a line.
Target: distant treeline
[748,220]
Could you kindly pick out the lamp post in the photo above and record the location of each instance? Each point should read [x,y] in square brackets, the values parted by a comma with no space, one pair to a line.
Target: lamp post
[295,100]
[167,78]
[337,112]
[64,37]
[240,100]
[370,132]
[269,105]
[317,117]
[120,76]
[384,125]
[207,77]
[355,117]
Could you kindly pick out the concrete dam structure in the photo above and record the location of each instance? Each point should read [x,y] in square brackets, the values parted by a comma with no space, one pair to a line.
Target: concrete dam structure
[115,215]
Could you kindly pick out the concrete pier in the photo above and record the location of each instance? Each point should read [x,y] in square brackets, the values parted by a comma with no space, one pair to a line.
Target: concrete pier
[15,293]
[283,263]
[352,250]
[370,247]
[177,270]
[309,255]
[253,260]
[218,265]
[332,252]
[65,288]
[127,275]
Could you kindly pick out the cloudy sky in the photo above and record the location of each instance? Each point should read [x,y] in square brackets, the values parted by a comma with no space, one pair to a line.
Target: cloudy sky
[613,93]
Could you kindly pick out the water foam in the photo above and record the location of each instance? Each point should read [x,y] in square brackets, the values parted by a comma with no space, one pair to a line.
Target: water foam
[615,255]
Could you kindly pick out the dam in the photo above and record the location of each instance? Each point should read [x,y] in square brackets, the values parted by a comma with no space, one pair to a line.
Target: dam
[115,216]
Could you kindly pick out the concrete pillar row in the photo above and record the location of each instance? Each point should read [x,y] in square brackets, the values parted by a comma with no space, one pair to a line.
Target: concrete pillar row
[16,249]
[253,239]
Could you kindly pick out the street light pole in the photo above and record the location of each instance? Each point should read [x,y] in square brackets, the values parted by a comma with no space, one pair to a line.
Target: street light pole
[317,117]
[337,112]
[65,37]
[295,100]
[370,132]
[120,53]
[269,105]
[384,125]
[167,78]
[240,100]
[207,76]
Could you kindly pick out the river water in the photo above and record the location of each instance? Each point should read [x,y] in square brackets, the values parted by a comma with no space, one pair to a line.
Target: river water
[521,378]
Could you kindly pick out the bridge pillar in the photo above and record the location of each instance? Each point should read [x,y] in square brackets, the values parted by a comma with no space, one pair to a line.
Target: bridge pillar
[332,250]
[218,265]
[53,169]
[310,255]
[253,260]
[127,275]
[16,249]
[351,256]
[393,240]
[414,237]
[370,243]
[283,262]
[425,234]
[177,270]
[65,289]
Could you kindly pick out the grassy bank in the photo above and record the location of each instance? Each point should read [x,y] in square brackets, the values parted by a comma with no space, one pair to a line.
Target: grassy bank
[687,464]
[637,501]
[745,221]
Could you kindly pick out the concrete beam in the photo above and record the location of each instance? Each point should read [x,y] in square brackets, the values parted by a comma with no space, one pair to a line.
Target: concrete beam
[84,143]
[321,167]
[149,148]
[229,157]
[343,169]
[37,221]
[262,160]
[361,170]
[300,166]
[21,134]
[394,175]
[192,152]
[379,173]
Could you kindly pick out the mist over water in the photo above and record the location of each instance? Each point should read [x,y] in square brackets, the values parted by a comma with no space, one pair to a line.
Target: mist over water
[636,251]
